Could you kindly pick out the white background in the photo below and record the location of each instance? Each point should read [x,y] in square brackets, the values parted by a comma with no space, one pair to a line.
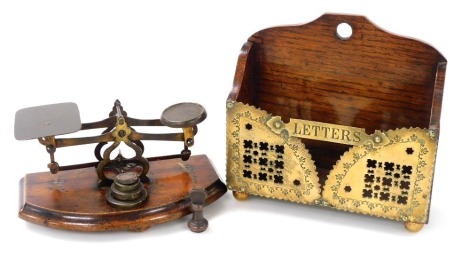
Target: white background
[151,55]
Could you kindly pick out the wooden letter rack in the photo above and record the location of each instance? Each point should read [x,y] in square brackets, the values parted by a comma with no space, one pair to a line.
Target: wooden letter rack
[344,121]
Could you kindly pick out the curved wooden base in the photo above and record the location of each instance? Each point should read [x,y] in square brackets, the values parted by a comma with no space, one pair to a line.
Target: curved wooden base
[413,227]
[240,196]
[72,199]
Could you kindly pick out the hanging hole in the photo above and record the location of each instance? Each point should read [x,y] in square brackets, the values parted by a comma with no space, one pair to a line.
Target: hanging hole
[344,31]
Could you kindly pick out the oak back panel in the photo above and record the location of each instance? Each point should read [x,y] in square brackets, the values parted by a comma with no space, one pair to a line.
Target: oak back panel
[374,79]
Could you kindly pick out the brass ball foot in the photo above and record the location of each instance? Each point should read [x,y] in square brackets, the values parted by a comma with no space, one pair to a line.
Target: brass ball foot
[240,196]
[413,227]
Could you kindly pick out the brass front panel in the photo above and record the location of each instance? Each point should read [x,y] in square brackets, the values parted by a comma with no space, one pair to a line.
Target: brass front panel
[386,174]
[393,181]
[261,162]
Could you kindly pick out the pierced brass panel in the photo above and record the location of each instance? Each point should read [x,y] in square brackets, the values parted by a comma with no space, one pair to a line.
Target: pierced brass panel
[386,174]
[393,181]
[261,162]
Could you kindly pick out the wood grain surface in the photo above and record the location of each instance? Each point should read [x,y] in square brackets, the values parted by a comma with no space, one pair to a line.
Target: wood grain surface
[72,199]
[374,80]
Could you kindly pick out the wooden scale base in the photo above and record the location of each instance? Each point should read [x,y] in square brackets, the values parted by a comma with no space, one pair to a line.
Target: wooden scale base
[72,199]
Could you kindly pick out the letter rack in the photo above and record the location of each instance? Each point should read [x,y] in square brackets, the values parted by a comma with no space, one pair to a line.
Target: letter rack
[349,122]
